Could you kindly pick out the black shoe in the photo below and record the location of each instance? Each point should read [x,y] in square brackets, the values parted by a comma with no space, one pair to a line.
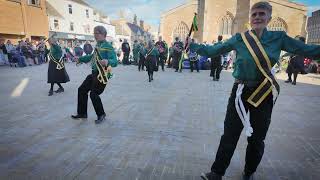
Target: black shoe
[211,176]
[176,71]
[149,80]
[214,79]
[59,90]
[217,79]
[50,93]
[294,83]
[79,116]
[100,119]
[288,81]
[247,177]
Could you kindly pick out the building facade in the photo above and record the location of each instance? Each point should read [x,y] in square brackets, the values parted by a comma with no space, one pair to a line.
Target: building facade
[313,28]
[101,20]
[131,31]
[21,19]
[216,17]
[71,20]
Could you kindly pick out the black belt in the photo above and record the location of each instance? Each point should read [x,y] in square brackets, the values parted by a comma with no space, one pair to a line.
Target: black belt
[248,83]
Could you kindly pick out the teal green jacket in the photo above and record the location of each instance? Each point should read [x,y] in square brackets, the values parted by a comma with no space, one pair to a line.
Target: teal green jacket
[56,51]
[154,52]
[136,49]
[106,51]
[272,41]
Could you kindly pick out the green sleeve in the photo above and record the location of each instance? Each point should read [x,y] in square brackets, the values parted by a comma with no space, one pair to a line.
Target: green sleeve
[299,48]
[85,59]
[112,59]
[214,50]
[109,54]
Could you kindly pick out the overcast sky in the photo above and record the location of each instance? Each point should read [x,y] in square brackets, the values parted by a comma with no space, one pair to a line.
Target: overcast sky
[150,10]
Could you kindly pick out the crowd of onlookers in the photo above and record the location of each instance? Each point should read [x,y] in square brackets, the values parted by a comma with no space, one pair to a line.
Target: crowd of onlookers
[24,53]
[28,53]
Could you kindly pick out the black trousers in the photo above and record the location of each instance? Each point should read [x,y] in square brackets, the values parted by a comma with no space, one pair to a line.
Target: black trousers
[125,59]
[151,65]
[169,61]
[176,59]
[215,68]
[161,60]
[91,84]
[192,63]
[141,63]
[260,119]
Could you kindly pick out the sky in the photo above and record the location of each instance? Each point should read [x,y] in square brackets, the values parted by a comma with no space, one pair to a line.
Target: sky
[151,10]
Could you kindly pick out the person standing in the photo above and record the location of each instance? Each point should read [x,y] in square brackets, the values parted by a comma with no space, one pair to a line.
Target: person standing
[56,70]
[151,60]
[177,53]
[251,101]
[193,58]
[126,52]
[142,56]
[102,59]
[135,51]
[216,65]
[296,65]
[163,52]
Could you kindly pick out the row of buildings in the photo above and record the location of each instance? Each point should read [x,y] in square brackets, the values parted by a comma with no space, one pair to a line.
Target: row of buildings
[71,20]
[227,17]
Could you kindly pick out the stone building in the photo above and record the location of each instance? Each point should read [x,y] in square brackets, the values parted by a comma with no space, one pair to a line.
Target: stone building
[20,19]
[313,28]
[227,17]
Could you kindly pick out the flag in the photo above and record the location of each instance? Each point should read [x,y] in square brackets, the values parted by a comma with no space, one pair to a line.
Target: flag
[194,26]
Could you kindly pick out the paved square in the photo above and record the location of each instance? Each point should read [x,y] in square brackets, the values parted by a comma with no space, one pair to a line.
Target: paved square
[168,129]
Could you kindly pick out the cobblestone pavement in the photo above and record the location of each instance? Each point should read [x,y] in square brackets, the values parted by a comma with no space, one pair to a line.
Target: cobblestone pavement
[167,129]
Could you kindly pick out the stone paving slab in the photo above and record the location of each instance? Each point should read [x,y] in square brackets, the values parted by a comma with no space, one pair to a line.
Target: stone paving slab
[167,129]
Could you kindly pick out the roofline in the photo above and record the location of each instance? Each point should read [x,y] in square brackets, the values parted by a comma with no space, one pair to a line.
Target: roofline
[172,10]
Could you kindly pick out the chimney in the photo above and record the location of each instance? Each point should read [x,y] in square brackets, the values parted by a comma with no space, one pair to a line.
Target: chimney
[142,24]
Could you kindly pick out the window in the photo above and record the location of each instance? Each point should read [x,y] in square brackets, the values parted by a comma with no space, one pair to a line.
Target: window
[226,25]
[70,8]
[86,28]
[278,24]
[34,2]
[56,24]
[180,31]
[71,26]
[87,13]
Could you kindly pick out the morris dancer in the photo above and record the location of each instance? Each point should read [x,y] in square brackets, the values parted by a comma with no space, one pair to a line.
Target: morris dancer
[251,101]
[102,59]
[56,70]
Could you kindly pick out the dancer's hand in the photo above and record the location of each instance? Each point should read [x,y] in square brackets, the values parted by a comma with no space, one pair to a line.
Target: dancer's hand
[104,62]
[76,59]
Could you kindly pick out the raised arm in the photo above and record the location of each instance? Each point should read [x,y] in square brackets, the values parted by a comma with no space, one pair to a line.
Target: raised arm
[214,50]
[299,48]
[85,59]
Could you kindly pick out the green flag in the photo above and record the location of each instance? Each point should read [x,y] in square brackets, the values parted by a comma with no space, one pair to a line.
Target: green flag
[195,23]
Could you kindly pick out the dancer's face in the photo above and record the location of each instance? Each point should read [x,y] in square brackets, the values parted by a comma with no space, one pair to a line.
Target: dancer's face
[99,36]
[259,18]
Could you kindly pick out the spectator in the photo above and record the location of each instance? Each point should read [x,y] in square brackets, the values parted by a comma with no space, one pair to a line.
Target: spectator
[78,51]
[3,52]
[87,48]
[10,48]
[41,51]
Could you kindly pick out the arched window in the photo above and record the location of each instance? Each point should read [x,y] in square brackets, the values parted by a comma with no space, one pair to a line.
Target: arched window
[180,31]
[278,24]
[226,24]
